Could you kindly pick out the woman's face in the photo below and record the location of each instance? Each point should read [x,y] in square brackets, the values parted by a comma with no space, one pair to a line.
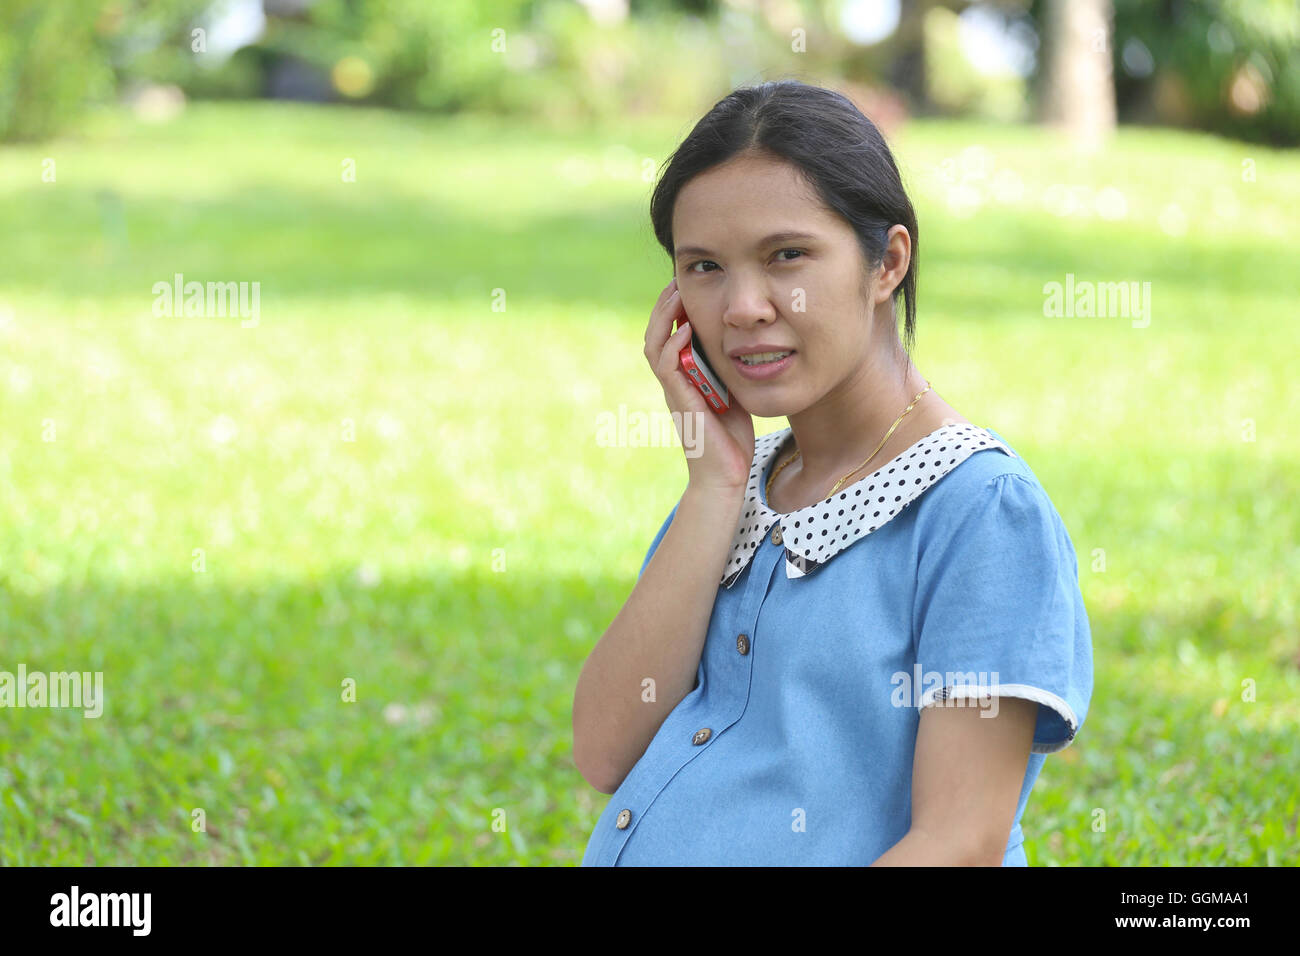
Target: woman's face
[744,286]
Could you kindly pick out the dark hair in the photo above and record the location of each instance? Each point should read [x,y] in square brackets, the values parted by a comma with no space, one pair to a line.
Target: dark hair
[839,150]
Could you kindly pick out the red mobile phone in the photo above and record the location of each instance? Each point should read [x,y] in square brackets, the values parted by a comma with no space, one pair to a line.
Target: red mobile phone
[701,374]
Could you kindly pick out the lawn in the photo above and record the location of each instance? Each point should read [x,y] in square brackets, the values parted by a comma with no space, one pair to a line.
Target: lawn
[392,482]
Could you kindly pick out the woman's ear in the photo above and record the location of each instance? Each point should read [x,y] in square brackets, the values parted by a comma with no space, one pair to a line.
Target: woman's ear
[893,267]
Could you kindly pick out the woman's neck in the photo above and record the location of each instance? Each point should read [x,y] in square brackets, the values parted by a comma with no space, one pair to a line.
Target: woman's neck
[833,438]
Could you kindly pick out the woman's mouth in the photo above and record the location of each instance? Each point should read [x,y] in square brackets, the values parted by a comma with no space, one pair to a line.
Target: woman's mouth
[763,365]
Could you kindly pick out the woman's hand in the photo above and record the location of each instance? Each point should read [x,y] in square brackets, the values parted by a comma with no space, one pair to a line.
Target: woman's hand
[726,440]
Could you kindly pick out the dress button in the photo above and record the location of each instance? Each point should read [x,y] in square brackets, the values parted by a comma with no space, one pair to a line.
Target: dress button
[624,816]
[776,534]
[742,643]
[701,736]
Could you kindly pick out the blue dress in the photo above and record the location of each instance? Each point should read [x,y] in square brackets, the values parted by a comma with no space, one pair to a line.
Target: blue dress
[945,573]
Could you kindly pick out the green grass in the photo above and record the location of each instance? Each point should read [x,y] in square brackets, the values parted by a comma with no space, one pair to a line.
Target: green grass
[380,559]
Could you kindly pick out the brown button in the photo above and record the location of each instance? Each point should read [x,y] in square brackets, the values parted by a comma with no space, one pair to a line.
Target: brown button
[701,735]
[624,816]
[776,534]
[742,643]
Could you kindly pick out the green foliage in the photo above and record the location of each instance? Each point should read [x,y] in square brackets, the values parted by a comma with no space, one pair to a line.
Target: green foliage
[414,54]
[546,57]
[52,61]
[155,41]
[507,56]
[59,58]
[1232,66]
[1203,51]
[955,86]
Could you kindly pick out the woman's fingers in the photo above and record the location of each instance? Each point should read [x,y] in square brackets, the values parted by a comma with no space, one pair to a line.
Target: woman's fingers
[661,317]
[670,354]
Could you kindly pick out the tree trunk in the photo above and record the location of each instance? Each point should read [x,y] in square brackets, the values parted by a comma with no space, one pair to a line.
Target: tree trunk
[1078,92]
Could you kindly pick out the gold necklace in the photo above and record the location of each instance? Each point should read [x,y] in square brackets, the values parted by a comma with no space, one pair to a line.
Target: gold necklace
[778,468]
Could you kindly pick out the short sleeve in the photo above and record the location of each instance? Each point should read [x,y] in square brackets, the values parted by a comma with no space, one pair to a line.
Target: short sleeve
[999,611]
[658,537]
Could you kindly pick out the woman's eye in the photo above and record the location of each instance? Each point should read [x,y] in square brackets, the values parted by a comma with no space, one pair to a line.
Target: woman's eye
[691,267]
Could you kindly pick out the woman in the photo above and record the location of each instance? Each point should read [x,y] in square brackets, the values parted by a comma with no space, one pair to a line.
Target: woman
[854,640]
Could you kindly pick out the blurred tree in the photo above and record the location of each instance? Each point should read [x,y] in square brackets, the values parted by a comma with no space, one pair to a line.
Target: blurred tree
[648,8]
[1226,65]
[1232,66]
[906,71]
[58,57]
[1077,90]
[402,53]
[52,60]
[977,61]
[899,59]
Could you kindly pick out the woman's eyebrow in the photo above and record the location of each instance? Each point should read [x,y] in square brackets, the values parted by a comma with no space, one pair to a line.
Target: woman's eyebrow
[765,241]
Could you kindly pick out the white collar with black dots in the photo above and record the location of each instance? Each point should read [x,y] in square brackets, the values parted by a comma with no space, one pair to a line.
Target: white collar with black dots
[814,535]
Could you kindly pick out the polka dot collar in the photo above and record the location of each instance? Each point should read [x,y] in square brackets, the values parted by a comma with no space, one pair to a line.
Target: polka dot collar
[814,535]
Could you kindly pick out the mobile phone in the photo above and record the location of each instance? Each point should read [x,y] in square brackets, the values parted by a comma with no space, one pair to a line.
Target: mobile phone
[701,373]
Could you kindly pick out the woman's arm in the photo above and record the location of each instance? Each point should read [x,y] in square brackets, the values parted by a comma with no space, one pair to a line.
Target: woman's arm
[658,634]
[966,778]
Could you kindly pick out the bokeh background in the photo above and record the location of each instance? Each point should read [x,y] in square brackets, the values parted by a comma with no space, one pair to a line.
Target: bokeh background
[340,555]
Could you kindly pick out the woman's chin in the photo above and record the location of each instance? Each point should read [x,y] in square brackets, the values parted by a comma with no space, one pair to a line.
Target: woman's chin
[765,406]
